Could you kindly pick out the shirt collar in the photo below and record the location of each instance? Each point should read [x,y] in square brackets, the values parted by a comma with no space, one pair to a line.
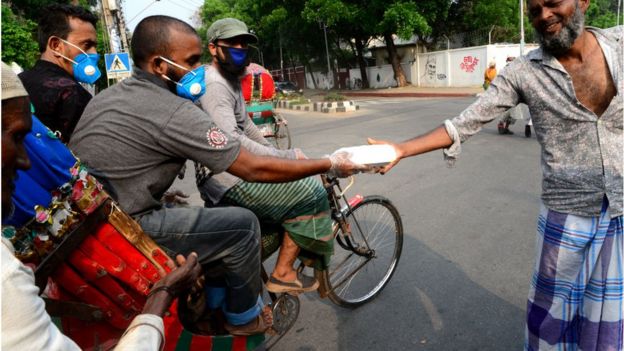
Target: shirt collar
[53,67]
[144,75]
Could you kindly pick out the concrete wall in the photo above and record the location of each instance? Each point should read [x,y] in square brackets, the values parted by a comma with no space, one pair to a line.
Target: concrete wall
[323,80]
[461,67]
[449,68]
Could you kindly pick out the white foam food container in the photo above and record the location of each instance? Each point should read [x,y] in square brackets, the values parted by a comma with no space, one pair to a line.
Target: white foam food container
[373,155]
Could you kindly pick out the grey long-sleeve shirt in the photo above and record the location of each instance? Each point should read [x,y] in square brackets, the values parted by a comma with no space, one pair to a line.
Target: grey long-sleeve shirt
[581,153]
[224,102]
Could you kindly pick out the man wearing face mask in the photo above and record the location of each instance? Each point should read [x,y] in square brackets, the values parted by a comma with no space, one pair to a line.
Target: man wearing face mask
[67,41]
[302,207]
[139,133]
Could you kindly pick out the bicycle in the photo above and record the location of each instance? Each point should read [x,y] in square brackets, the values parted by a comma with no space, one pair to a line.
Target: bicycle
[369,234]
[273,126]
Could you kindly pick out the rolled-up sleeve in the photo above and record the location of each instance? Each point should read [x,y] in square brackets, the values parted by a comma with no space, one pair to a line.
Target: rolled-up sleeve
[496,100]
[145,333]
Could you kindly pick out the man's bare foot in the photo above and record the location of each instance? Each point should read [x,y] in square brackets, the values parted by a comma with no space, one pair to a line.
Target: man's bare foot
[261,324]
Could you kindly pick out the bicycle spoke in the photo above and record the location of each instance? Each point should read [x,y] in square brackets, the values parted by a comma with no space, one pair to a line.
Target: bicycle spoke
[372,248]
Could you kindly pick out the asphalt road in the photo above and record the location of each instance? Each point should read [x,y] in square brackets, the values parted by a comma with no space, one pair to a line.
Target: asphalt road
[468,253]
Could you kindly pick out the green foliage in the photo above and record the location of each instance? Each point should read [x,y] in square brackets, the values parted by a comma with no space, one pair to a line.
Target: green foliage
[295,99]
[334,97]
[601,14]
[18,43]
[404,19]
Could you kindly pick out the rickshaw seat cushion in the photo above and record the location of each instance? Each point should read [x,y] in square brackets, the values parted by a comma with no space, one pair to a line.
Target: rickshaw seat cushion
[51,162]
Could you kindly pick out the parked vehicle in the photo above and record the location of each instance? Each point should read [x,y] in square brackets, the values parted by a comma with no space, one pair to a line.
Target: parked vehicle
[287,88]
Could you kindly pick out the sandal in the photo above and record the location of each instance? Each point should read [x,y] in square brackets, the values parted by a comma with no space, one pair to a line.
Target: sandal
[303,283]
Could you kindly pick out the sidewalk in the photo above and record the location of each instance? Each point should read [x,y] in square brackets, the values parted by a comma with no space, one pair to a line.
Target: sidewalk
[408,91]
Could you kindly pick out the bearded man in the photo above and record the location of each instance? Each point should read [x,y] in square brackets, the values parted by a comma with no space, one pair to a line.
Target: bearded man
[570,85]
[301,207]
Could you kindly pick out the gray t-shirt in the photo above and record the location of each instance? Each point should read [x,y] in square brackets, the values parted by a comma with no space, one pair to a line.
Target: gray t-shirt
[138,134]
[225,104]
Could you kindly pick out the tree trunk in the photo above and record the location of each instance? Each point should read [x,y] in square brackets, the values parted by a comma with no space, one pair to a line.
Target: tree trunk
[399,75]
[309,68]
[359,46]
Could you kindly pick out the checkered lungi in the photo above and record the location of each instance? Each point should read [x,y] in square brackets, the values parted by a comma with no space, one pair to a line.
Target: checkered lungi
[301,207]
[576,296]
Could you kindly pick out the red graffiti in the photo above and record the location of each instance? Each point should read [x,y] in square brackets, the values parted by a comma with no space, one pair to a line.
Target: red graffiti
[469,64]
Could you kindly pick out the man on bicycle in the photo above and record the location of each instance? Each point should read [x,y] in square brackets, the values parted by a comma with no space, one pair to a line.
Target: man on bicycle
[139,133]
[301,207]
[573,86]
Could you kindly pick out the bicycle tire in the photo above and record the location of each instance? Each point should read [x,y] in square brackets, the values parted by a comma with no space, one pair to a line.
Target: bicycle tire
[280,137]
[377,220]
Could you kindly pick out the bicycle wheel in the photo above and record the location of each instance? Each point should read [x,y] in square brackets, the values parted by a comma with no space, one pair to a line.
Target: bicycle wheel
[364,260]
[281,135]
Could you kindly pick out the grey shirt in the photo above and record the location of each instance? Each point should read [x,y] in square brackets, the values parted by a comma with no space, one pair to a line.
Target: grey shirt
[225,104]
[581,153]
[138,134]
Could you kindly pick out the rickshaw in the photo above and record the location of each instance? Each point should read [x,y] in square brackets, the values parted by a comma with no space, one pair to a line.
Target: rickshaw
[95,265]
[259,94]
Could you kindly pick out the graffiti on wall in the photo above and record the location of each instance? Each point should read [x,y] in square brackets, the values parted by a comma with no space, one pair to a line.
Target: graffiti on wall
[469,64]
[431,70]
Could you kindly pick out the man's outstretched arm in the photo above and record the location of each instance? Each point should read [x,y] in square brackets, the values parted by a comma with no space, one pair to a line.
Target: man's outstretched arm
[253,168]
[435,139]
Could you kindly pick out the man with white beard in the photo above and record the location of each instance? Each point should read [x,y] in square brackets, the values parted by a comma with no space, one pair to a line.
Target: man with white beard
[571,87]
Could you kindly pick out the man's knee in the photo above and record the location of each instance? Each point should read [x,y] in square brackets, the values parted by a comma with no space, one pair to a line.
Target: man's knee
[246,224]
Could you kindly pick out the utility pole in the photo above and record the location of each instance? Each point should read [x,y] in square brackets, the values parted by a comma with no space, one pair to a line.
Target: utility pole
[121,26]
[113,19]
[281,57]
[521,27]
[108,22]
[327,52]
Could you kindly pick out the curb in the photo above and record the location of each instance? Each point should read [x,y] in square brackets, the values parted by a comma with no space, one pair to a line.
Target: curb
[336,106]
[411,94]
[300,107]
[325,107]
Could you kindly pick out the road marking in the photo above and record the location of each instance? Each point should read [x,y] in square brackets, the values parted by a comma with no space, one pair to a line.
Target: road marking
[432,311]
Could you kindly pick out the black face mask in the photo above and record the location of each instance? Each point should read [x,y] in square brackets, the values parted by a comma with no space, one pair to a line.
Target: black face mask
[229,64]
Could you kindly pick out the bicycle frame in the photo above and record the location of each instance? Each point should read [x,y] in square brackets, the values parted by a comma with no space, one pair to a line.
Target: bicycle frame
[339,208]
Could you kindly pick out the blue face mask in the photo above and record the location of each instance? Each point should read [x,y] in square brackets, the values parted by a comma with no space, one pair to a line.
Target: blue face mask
[239,56]
[192,85]
[85,65]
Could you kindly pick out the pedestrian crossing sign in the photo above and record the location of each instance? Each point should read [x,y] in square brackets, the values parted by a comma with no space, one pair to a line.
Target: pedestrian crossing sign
[117,65]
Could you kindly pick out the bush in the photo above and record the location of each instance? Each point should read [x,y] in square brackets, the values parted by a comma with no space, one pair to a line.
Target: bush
[300,101]
[334,97]
[293,96]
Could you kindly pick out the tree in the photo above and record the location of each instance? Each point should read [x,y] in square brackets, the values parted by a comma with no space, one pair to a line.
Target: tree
[404,19]
[601,13]
[18,43]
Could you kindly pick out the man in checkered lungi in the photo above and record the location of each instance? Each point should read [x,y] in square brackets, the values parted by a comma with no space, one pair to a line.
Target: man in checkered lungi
[573,87]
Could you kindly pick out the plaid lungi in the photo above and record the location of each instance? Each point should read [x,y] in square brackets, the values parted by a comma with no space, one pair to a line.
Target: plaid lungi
[301,207]
[576,296]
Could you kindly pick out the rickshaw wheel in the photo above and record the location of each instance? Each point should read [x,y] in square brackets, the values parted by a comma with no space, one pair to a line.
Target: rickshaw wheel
[285,312]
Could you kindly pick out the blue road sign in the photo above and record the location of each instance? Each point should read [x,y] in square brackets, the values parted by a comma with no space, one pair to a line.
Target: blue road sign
[117,64]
